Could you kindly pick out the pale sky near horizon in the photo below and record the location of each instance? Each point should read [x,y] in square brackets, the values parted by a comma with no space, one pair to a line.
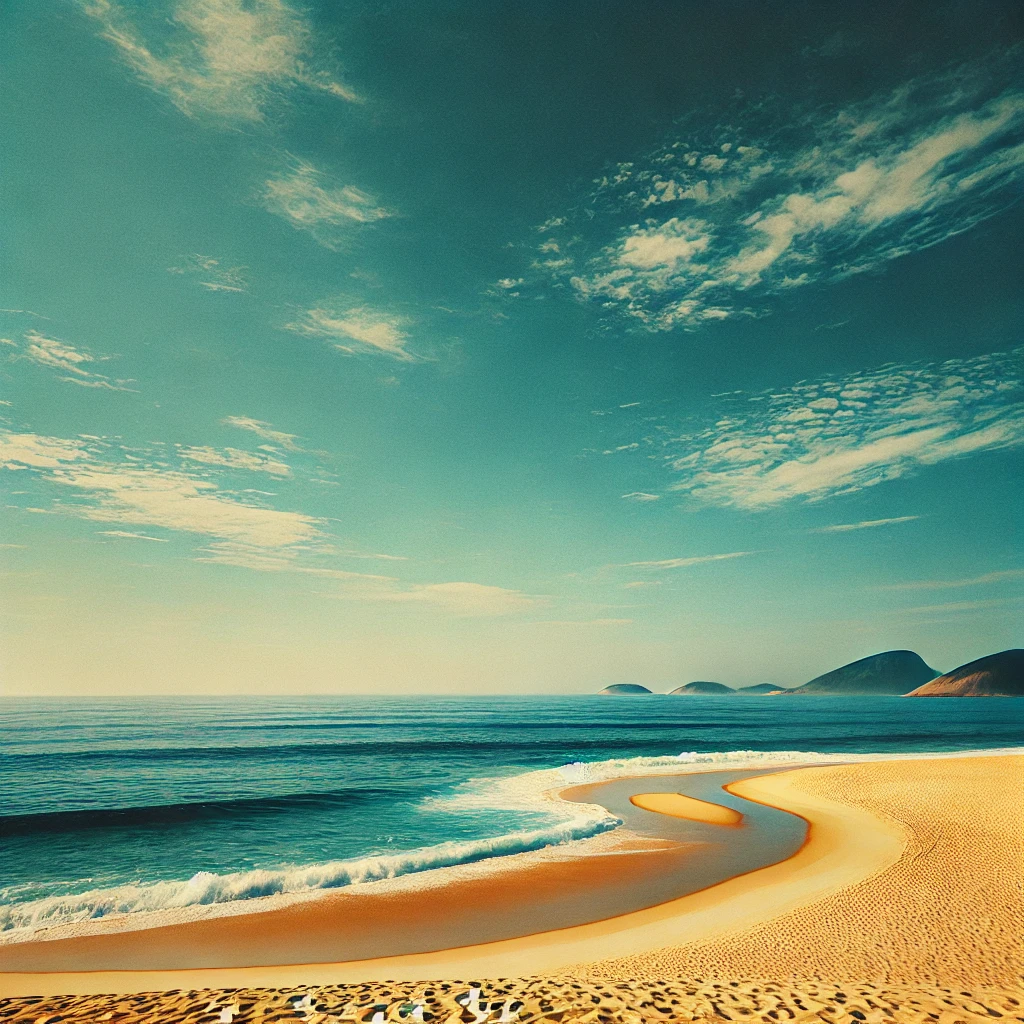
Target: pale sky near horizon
[461,347]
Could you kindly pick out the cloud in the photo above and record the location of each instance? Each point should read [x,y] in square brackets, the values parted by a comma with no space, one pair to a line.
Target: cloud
[356,329]
[233,458]
[887,423]
[683,563]
[303,200]
[226,59]
[66,359]
[864,524]
[264,430]
[703,230]
[213,275]
[583,622]
[110,484]
[466,599]
[133,536]
[642,496]
[34,451]
[999,576]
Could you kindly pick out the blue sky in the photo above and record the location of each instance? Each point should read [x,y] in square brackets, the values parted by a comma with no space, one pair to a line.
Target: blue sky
[506,348]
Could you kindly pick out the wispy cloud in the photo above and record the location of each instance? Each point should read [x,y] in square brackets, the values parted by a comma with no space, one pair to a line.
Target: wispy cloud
[865,524]
[310,203]
[642,496]
[107,483]
[356,329]
[212,273]
[265,430]
[592,623]
[683,563]
[73,364]
[234,458]
[711,224]
[226,59]
[827,437]
[999,576]
[467,599]
[129,535]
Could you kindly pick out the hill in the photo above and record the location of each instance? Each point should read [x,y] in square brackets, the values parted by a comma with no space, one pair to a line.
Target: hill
[702,688]
[759,688]
[892,672]
[620,689]
[997,675]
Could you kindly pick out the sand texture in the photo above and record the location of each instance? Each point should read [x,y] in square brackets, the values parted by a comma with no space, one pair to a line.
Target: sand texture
[679,806]
[905,905]
[556,1001]
[949,912]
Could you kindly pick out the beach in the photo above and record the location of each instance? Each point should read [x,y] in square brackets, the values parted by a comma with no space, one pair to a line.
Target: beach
[906,893]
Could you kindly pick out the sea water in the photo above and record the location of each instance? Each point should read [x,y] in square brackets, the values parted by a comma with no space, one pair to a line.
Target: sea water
[125,806]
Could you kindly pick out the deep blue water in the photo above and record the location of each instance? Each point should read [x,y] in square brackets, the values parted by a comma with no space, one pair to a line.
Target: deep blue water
[101,801]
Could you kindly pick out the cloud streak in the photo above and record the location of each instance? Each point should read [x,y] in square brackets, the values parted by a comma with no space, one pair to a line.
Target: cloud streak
[865,524]
[308,202]
[355,329]
[683,563]
[829,437]
[225,59]
[70,363]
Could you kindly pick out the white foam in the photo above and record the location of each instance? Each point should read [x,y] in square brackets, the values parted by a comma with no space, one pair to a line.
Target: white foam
[536,792]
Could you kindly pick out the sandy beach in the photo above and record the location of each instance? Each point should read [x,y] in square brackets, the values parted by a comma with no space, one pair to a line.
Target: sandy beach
[904,903]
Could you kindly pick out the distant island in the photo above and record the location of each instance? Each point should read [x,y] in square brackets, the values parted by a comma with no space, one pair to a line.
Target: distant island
[893,672]
[701,687]
[997,675]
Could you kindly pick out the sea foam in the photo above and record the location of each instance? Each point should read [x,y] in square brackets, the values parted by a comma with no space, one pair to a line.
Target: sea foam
[534,792]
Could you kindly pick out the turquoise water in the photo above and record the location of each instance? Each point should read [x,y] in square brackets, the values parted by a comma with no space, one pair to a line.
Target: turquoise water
[116,806]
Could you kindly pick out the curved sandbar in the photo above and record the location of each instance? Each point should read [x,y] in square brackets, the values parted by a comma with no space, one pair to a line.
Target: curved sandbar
[678,805]
[875,828]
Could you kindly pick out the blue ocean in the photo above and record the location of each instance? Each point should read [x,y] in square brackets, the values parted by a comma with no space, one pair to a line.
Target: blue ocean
[124,806]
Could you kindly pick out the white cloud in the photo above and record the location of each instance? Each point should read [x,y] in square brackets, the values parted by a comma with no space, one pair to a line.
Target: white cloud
[301,197]
[727,225]
[111,484]
[233,458]
[67,360]
[999,576]
[642,496]
[683,563]
[132,536]
[212,273]
[865,524]
[789,445]
[264,430]
[467,599]
[34,451]
[356,329]
[222,58]
[176,501]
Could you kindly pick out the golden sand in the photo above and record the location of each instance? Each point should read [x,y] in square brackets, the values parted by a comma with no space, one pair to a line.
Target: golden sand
[905,904]
[677,805]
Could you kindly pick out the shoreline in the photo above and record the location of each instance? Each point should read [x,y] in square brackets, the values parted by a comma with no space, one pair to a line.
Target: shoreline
[853,845]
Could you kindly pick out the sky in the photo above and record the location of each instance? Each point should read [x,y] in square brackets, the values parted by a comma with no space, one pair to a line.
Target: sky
[461,347]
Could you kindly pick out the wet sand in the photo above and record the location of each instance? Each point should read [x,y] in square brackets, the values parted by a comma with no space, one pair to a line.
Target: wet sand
[903,905]
[652,860]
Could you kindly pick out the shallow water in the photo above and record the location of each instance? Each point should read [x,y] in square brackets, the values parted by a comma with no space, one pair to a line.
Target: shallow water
[113,806]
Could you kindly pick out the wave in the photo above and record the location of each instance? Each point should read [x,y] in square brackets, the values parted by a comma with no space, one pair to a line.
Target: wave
[63,822]
[534,791]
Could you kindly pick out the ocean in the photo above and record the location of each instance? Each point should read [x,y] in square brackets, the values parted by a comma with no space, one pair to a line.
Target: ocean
[118,806]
